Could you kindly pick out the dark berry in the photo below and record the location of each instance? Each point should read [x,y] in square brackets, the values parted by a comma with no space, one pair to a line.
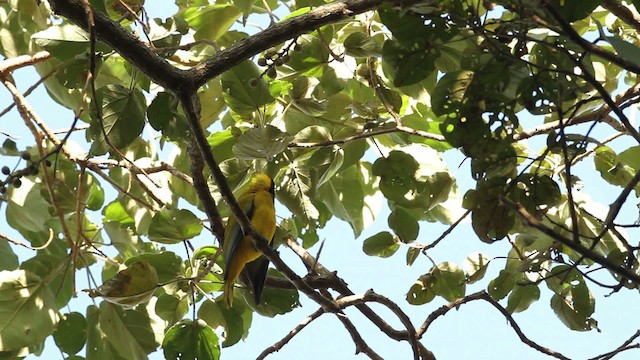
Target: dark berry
[25,155]
[17,183]
[47,163]
[262,62]
[271,72]
[6,170]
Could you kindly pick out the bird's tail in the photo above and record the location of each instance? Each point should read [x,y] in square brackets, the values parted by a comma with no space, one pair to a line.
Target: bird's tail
[228,293]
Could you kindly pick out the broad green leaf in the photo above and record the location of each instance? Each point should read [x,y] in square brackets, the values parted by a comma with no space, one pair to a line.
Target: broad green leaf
[174,226]
[450,282]
[164,116]
[171,308]
[359,44]
[8,259]
[211,21]
[27,209]
[239,94]
[403,224]
[351,196]
[572,11]
[611,168]
[235,321]
[64,41]
[522,297]
[294,193]
[423,290]
[71,333]
[191,340]
[499,287]
[123,112]
[412,255]
[475,266]
[55,271]
[98,346]
[382,244]
[28,312]
[572,302]
[261,143]
[126,332]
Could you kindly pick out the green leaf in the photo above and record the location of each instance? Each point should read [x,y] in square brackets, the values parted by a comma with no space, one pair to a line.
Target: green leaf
[27,209]
[359,44]
[98,346]
[164,116]
[54,270]
[294,193]
[382,244]
[611,168]
[409,65]
[71,333]
[64,41]
[130,335]
[403,224]
[238,92]
[28,312]
[261,143]
[412,255]
[475,265]
[499,287]
[235,321]
[575,10]
[191,340]
[522,297]
[173,226]
[171,308]
[572,302]
[450,91]
[423,290]
[211,21]
[8,259]
[450,282]
[123,112]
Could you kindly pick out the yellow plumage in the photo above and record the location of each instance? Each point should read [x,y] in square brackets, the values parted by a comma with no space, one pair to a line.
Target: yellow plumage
[238,250]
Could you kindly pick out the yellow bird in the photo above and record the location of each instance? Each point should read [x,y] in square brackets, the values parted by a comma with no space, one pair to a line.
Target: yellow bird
[258,203]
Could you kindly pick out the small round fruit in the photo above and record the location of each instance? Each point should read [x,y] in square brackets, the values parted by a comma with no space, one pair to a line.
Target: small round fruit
[271,72]
[6,170]
[25,155]
[17,183]
[262,62]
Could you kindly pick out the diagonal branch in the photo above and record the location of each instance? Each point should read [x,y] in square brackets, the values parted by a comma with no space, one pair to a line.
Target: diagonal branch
[483,295]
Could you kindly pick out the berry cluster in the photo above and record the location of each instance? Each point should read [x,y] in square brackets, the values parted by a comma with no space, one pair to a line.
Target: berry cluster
[273,58]
[14,177]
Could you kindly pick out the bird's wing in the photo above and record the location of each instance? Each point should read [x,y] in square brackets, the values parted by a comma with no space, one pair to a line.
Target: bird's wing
[234,232]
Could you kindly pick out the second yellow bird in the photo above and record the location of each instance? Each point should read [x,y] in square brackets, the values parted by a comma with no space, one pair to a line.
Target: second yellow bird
[238,250]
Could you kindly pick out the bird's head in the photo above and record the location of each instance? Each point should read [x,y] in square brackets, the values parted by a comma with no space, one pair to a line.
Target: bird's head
[262,182]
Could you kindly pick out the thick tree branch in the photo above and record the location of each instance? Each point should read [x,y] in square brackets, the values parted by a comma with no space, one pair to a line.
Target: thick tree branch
[340,286]
[278,33]
[125,43]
